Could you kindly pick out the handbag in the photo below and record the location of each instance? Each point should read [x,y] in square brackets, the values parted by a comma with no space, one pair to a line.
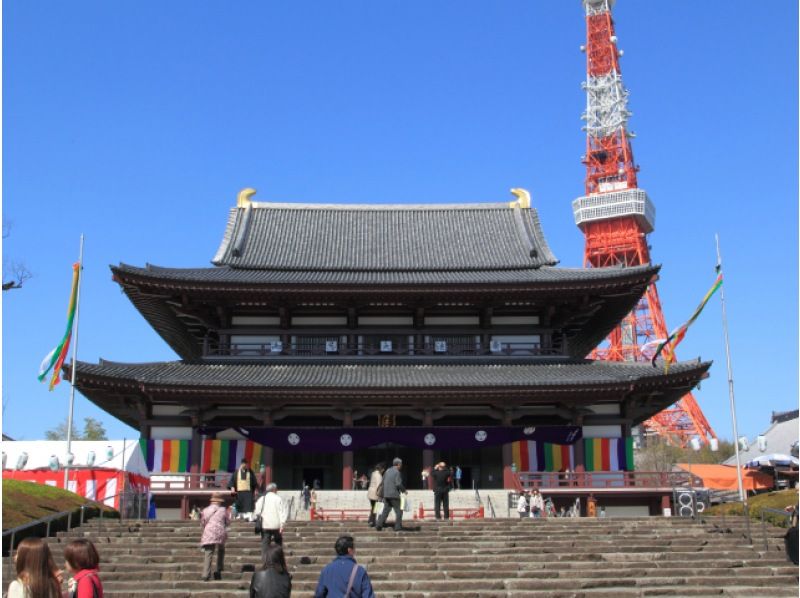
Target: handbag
[257,529]
[95,591]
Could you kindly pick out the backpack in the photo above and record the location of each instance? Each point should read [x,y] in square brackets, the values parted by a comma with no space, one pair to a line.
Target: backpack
[93,580]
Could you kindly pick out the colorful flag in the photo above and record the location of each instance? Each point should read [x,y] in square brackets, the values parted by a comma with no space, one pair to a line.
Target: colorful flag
[55,359]
[668,346]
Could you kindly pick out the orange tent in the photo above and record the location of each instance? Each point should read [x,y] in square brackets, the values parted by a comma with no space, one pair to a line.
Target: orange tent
[723,477]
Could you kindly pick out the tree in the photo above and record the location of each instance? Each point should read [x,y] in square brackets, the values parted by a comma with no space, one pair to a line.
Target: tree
[92,430]
[14,273]
[659,455]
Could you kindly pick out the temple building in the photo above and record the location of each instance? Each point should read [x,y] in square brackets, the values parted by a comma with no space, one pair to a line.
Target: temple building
[325,338]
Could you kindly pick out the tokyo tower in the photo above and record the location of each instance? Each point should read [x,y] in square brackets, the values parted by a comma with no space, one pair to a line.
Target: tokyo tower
[616,215]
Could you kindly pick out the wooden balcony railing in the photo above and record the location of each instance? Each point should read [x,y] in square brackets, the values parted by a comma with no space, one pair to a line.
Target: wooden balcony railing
[177,483]
[528,480]
[267,350]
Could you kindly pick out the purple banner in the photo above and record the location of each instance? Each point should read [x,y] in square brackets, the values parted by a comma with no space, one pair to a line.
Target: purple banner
[331,440]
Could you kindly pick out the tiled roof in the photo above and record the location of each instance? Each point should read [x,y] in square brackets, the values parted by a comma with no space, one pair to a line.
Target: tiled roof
[238,276]
[319,375]
[779,436]
[381,238]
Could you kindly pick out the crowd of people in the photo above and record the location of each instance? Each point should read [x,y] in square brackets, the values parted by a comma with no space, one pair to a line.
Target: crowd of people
[271,579]
[38,576]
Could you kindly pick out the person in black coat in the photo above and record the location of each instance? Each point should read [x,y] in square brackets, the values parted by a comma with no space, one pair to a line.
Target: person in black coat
[441,489]
[273,579]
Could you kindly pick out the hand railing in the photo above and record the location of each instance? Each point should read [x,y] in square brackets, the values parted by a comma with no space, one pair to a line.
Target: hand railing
[491,506]
[776,513]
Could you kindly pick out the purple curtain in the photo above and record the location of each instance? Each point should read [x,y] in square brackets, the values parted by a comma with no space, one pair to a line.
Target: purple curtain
[331,440]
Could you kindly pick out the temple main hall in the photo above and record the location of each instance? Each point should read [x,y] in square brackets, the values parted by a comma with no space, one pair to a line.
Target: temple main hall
[325,338]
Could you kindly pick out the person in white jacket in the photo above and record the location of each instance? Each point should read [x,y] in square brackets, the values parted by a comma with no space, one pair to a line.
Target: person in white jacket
[537,504]
[272,511]
[523,505]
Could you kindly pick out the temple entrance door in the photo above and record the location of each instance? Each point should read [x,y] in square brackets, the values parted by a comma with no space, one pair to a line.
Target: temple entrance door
[365,460]
[312,475]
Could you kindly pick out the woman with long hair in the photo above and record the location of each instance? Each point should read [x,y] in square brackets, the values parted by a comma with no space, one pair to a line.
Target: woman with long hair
[273,579]
[37,576]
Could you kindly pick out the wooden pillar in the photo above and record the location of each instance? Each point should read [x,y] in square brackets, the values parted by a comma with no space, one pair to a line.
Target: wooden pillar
[508,458]
[267,452]
[347,456]
[427,454]
[196,452]
[579,452]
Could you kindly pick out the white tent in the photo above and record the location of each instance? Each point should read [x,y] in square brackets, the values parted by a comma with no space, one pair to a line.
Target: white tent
[99,469]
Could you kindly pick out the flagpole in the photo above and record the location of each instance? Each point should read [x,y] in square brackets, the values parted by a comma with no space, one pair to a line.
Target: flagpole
[74,364]
[742,494]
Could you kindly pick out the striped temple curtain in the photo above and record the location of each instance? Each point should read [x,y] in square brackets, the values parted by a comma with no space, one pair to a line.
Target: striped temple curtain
[172,456]
[600,454]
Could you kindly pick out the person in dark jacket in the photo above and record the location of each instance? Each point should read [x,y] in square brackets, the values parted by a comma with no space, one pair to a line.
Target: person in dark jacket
[343,577]
[273,579]
[392,489]
[442,479]
[243,483]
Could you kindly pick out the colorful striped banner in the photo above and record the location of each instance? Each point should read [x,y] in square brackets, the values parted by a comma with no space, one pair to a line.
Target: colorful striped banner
[601,454]
[173,456]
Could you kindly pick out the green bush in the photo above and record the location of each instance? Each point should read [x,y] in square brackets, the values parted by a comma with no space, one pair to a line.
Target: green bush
[769,500]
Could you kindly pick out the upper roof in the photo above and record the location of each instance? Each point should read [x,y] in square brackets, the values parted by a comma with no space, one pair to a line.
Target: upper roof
[409,238]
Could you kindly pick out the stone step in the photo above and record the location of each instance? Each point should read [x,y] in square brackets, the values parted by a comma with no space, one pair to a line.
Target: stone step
[576,557]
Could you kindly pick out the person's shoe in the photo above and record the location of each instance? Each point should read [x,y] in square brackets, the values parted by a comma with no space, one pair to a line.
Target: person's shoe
[217,575]
[206,578]
[378,529]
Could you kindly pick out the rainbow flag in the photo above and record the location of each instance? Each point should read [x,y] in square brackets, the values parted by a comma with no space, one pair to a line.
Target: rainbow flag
[608,454]
[173,456]
[600,454]
[674,339]
[167,455]
[55,359]
[530,455]
[225,455]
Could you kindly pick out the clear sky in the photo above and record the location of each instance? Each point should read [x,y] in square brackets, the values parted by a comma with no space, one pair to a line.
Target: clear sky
[137,122]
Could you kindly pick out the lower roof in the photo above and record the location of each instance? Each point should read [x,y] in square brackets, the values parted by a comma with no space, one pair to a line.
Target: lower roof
[121,388]
[376,375]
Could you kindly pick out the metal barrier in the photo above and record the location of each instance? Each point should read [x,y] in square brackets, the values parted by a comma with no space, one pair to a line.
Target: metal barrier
[320,514]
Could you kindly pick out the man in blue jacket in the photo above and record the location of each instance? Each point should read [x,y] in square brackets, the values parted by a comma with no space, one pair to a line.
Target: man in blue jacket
[343,576]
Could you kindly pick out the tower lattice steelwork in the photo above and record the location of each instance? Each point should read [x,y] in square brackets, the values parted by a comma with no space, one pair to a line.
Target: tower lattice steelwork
[616,215]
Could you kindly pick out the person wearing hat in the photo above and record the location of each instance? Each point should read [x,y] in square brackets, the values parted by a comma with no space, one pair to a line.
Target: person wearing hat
[392,489]
[215,520]
[442,480]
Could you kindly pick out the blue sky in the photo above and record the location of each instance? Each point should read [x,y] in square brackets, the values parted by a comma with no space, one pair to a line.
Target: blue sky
[136,123]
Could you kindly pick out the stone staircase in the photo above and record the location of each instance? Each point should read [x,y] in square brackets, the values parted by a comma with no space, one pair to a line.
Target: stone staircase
[582,557]
[357,500]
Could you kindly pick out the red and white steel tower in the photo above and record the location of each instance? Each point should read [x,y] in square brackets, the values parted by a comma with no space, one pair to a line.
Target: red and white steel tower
[616,215]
